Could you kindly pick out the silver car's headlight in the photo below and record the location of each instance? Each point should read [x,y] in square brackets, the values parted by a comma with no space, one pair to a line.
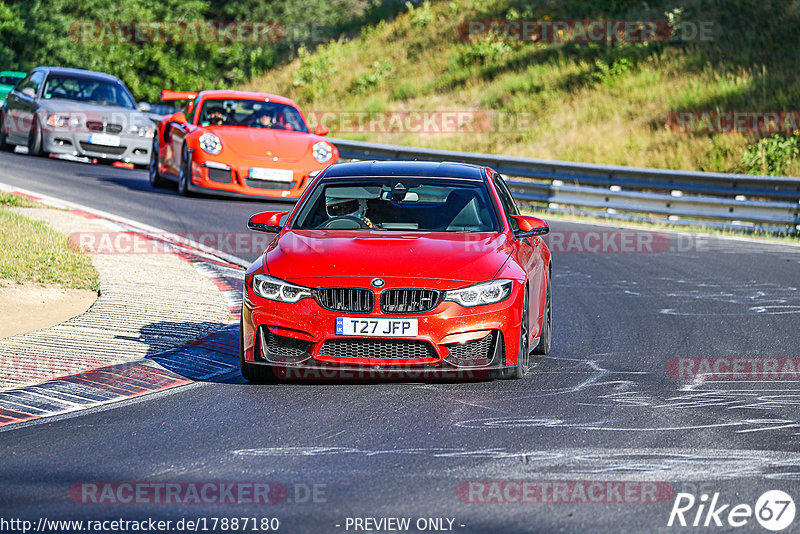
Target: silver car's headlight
[58,121]
[277,289]
[480,294]
[142,131]
[322,152]
[210,143]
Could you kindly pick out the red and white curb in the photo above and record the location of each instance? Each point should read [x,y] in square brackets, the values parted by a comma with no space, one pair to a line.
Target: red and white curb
[213,355]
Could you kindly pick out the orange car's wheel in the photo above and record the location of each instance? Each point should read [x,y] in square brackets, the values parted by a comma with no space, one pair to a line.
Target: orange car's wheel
[186,172]
[155,178]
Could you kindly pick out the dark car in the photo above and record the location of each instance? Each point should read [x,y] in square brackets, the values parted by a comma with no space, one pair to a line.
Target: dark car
[76,112]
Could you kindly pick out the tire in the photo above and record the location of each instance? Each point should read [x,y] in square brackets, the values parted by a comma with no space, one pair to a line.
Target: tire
[35,139]
[252,372]
[155,178]
[546,336]
[523,358]
[186,171]
[4,145]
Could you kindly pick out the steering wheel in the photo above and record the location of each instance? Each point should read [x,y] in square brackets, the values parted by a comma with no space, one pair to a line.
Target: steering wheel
[344,222]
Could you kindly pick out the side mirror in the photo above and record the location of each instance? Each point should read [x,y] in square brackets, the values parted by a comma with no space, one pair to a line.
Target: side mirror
[179,118]
[144,107]
[29,92]
[529,226]
[321,129]
[267,221]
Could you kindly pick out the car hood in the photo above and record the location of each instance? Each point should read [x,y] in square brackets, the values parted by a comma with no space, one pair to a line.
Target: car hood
[97,112]
[264,143]
[469,257]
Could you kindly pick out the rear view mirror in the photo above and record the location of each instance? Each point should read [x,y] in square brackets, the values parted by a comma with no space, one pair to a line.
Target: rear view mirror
[321,129]
[144,107]
[529,226]
[267,221]
[29,92]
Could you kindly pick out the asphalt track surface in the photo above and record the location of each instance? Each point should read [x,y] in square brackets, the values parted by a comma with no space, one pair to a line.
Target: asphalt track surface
[601,407]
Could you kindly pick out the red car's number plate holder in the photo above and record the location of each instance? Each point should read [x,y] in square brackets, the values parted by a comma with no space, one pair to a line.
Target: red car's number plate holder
[376,327]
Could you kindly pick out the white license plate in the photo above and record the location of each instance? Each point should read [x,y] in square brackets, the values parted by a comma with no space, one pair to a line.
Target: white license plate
[104,139]
[272,175]
[368,327]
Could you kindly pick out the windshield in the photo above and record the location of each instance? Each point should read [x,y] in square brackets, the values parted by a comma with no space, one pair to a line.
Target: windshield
[9,80]
[84,89]
[400,204]
[252,114]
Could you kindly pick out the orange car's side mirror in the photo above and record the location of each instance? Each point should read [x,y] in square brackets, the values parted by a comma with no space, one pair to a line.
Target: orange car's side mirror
[179,118]
[267,221]
[529,226]
[321,129]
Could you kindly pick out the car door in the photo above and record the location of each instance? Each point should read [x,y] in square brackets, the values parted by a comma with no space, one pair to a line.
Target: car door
[21,106]
[175,136]
[528,252]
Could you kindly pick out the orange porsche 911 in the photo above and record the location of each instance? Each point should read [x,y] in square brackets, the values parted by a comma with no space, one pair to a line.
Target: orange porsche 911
[234,143]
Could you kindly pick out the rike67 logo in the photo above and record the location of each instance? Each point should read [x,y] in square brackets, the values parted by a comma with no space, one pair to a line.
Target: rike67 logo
[774,510]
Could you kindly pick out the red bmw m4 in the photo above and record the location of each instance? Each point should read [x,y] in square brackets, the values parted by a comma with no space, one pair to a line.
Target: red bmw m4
[409,267]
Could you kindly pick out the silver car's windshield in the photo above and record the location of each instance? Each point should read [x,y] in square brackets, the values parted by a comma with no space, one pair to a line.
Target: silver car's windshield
[86,89]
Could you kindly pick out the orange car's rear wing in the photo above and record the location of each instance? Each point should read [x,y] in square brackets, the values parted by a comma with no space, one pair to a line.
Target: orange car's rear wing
[178,95]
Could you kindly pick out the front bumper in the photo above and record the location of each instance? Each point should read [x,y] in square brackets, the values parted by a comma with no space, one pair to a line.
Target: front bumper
[232,179]
[451,338]
[132,148]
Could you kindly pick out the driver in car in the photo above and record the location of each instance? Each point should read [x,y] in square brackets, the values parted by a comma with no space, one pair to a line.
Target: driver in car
[216,116]
[344,207]
[266,120]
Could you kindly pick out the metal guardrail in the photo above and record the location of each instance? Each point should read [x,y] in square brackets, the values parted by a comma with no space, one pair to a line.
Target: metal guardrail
[731,200]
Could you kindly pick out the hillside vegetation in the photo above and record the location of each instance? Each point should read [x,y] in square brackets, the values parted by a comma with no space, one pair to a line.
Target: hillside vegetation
[596,102]
[52,32]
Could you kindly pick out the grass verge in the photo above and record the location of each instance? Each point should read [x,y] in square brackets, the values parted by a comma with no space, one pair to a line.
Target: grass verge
[34,252]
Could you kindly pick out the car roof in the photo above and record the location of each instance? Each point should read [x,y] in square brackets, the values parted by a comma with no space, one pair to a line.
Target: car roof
[79,72]
[426,169]
[247,95]
[15,73]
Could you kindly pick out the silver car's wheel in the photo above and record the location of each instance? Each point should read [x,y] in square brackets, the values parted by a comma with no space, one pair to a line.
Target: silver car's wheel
[35,139]
[4,144]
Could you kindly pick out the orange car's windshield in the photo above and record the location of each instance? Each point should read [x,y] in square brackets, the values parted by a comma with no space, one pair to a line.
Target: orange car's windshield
[251,114]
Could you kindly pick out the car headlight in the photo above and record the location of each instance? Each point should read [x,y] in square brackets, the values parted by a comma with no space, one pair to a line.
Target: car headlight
[210,143]
[58,121]
[322,152]
[480,294]
[142,131]
[277,289]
